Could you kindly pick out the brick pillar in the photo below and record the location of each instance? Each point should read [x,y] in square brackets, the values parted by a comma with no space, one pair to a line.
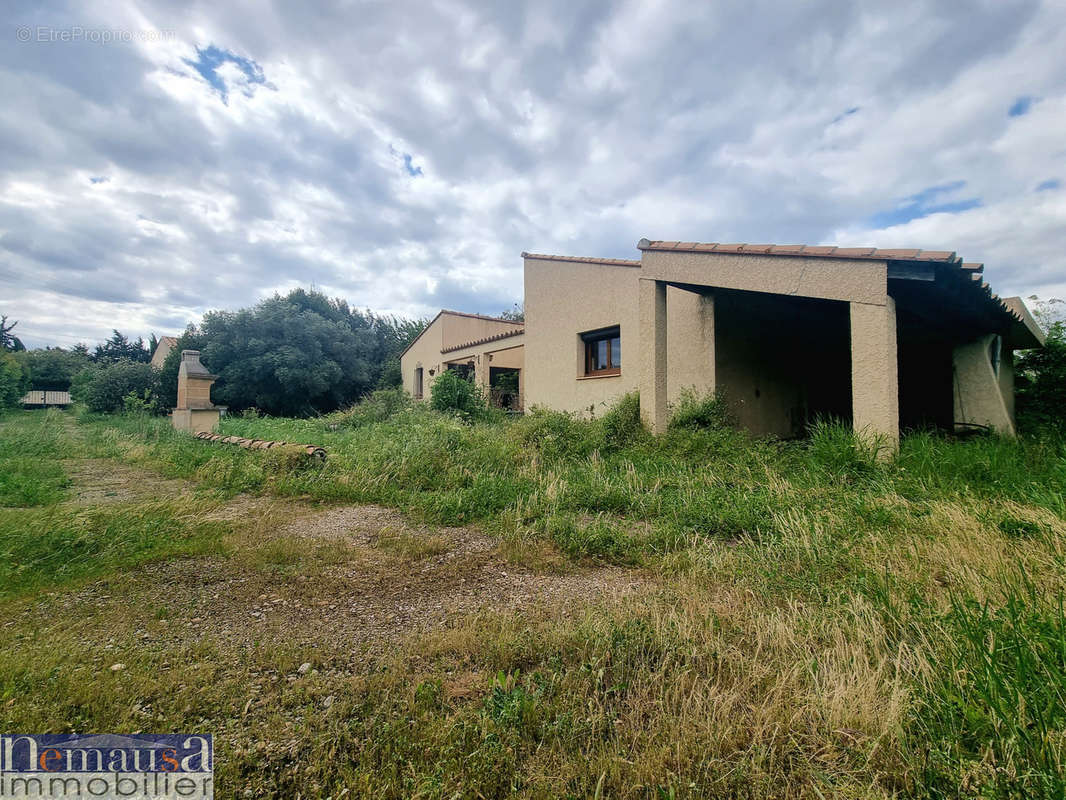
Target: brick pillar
[653,366]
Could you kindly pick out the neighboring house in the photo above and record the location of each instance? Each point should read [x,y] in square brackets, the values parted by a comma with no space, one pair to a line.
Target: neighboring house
[162,350]
[887,339]
[486,349]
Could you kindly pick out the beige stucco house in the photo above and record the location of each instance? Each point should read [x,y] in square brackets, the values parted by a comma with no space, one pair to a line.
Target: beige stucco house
[487,349]
[888,339]
[162,350]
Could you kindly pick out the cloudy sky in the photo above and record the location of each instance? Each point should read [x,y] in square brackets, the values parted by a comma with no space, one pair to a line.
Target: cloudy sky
[161,159]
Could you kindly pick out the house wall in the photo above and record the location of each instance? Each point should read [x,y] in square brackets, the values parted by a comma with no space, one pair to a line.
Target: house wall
[425,353]
[449,330]
[981,396]
[851,280]
[564,299]
[162,350]
[458,329]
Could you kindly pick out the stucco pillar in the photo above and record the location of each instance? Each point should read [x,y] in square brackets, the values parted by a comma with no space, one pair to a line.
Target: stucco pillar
[481,371]
[690,331]
[653,353]
[979,390]
[875,373]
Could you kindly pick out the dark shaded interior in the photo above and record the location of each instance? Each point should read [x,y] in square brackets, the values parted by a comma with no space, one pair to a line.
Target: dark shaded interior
[782,362]
[926,399]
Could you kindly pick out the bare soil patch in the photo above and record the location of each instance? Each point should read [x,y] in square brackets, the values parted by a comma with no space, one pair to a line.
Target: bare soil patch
[338,580]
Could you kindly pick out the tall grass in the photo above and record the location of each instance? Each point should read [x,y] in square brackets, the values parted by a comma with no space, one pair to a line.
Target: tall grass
[57,545]
[817,622]
[32,445]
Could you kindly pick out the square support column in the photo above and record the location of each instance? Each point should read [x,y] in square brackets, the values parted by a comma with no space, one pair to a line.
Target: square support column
[875,374]
[653,354]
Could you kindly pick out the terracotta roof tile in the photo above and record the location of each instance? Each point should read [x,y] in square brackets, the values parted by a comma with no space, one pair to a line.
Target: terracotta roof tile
[475,316]
[820,251]
[485,340]
[614,262]
[444,311]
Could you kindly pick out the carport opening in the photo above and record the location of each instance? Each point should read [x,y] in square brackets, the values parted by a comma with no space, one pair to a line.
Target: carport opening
[782,362]
[925,374]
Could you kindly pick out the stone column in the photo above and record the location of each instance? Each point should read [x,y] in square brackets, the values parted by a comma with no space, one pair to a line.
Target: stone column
[653,354]
[875,374]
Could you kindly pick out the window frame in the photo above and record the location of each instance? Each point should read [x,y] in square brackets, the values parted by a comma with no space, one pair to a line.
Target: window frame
[590,341]
[419,383]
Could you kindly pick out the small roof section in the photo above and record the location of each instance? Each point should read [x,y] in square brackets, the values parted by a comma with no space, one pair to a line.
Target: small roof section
[1026,332]
[444,311]
[495,337]
[957,282]
[813,251]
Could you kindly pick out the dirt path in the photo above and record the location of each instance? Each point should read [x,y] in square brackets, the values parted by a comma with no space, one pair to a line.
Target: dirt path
[351,579]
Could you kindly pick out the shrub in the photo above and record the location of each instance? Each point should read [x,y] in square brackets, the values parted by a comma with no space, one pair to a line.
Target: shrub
[144,403]
[378,406]
[695,411]
[554,434]
[1042,382]
[106,389]
[12,381]
[454,394]
[621,424]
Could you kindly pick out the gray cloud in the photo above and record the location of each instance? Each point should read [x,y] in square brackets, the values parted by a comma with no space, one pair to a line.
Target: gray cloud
[403,155]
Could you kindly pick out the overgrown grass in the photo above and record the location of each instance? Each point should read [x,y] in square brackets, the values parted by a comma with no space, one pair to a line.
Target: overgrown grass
[817,622]
[56,545]
[31,447]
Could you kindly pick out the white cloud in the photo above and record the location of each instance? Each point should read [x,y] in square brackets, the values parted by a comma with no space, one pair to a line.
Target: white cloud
[554,126]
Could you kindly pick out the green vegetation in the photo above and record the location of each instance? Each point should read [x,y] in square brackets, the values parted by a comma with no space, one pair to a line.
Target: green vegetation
[1042,381]
[461,397]
[809,621]
[31,446]
[57,545]
[107,388]
[13,380]
[303,353]
[53,368]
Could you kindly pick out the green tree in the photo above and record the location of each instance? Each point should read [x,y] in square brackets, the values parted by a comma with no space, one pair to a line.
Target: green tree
[13,381]
[296,354]
[1041,372]
[120,348]
[8,340]
[52,368]
[105,388]
[293,355]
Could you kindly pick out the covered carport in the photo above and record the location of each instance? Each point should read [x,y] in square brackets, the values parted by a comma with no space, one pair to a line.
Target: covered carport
[885,338]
